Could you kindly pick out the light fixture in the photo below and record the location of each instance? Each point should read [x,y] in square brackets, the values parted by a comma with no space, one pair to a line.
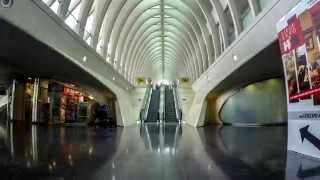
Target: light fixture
[84,59]
[29,78]
[6,3]
[114,78]
[91,97]
[235,57]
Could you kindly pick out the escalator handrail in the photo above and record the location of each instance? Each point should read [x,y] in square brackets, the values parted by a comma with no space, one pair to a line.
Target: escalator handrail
[146,104]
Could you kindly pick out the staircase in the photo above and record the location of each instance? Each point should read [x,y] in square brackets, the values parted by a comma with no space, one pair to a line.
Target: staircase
[153,112]
[170,110]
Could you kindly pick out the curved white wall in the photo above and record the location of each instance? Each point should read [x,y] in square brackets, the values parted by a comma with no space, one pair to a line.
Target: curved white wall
[261,103]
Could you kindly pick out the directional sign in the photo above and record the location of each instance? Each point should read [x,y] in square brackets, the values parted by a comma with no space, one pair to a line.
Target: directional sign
[305,134]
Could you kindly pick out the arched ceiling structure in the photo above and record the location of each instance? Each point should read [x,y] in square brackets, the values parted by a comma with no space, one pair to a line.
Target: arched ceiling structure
[160,39]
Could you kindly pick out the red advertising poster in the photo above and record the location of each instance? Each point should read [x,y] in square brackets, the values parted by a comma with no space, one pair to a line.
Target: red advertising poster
[299,33]
[291,37]
[299,44]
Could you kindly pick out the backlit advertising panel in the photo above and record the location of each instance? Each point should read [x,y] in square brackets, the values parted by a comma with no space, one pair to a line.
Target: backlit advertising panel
[299,35]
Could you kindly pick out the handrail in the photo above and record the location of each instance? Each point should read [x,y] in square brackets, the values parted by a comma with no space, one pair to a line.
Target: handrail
[177,104]
[145,104]
[163,103]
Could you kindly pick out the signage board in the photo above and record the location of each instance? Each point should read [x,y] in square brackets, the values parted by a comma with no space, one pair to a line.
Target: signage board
[299,39]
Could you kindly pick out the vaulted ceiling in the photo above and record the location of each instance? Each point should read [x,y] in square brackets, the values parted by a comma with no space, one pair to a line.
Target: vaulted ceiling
[160,39]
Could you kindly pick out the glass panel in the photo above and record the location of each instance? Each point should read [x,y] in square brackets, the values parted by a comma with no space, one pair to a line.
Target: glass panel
[230,25]
[263,4]
[71,22]
[55,6]
[88,41]
[100,46]
[73,3]
[76,12]
[109,48]
[246,17]
[89,23]
[46,1]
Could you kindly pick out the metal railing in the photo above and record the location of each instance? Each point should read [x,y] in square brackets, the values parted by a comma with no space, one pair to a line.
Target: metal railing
[145,104]
[177,104]
[162,109]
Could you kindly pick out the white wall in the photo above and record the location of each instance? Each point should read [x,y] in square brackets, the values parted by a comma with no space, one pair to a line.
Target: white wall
[186,96]
[137,96]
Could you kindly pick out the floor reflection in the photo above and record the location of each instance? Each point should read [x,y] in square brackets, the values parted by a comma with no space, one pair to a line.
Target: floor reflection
[161,137]
[150,152]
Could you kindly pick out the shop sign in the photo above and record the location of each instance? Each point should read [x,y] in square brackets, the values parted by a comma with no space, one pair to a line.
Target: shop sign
[71,92]
[299,37]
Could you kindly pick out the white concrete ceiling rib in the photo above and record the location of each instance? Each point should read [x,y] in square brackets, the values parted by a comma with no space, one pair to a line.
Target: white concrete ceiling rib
[129,32]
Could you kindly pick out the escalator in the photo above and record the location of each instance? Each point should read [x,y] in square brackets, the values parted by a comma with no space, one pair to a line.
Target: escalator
[170,109]
[3,107]
[153,112]
[3,102]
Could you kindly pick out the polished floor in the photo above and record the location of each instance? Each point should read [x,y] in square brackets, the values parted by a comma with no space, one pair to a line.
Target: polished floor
[150,152]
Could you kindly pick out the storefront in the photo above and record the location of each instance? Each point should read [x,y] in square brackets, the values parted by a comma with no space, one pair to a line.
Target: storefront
[54,102]
[67,104]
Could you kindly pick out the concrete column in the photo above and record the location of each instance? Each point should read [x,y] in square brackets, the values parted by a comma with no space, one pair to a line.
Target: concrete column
[11,102]
[34,143]
[35,100]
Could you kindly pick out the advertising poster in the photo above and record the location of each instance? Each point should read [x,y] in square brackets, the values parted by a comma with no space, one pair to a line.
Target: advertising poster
[299,35]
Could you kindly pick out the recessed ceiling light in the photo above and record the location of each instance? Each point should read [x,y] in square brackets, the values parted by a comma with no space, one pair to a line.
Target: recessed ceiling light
[29,78]
[84,59]
[235,57]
